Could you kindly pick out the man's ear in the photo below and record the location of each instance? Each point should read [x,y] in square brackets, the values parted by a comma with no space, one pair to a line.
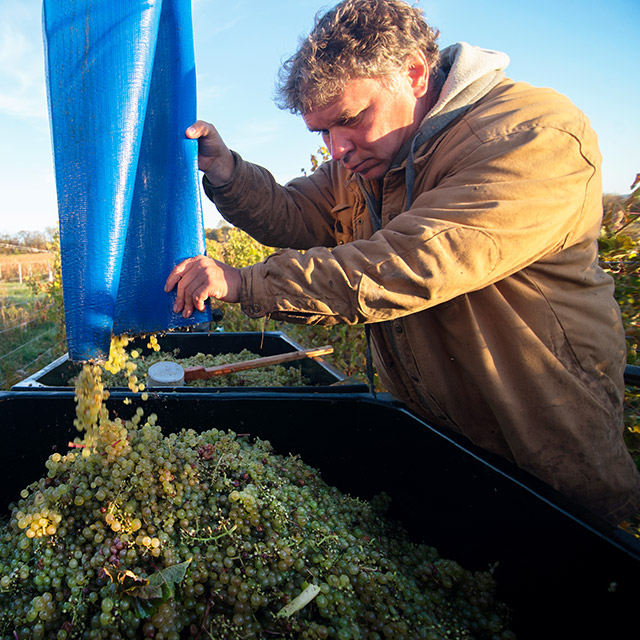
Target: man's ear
[418,73]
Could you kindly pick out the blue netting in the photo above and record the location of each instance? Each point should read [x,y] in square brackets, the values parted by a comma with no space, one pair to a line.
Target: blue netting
[121,88]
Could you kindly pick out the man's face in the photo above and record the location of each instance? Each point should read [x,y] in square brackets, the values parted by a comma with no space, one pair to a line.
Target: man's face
[367,124]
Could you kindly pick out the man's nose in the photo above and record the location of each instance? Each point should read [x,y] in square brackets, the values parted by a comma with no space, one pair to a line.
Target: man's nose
[339,144]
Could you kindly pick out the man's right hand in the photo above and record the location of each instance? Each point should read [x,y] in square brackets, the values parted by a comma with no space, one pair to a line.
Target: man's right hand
[214,157]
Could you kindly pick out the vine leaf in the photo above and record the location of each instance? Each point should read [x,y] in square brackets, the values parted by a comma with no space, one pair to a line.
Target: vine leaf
[124,579]
[151,592]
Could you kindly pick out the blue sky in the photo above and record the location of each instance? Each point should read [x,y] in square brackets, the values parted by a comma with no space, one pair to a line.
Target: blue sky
[589,50]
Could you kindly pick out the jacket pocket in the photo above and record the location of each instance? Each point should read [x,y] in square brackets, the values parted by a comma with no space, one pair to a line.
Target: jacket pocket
[343,223]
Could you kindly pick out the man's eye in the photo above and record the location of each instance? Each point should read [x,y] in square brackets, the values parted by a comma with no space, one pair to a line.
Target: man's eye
[350,120]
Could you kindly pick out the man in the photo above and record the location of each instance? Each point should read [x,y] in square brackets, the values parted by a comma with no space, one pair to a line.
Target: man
[458,218]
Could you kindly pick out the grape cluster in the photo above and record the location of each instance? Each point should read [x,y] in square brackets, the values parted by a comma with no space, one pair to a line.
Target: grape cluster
[134,533]
[122,363]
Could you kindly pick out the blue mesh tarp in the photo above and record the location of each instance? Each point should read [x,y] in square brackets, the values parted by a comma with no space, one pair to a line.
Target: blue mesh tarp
[121,88]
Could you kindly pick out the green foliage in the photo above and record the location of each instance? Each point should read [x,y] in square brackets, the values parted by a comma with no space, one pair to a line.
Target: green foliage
[619,249]
[51,292]
[26,336]
[219,234]
[316,160]
[620,256]
[240,250]
[32,326]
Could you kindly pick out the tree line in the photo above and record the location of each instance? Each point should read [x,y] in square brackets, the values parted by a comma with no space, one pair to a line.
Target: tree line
[26,240]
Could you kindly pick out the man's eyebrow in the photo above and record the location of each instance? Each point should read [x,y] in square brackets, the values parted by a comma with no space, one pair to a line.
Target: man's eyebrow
[342,119]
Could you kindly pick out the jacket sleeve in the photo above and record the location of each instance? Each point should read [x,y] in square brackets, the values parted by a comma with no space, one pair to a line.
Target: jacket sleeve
[503,202]
[297,215]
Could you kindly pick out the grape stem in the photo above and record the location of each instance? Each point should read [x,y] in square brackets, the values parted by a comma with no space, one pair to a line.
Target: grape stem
[205,615]
[226,532]
[324,539]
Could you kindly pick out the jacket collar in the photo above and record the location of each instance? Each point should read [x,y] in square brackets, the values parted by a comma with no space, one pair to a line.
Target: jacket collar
[465,75]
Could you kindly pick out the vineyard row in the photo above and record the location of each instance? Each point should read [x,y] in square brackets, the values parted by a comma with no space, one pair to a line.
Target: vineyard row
[18,271]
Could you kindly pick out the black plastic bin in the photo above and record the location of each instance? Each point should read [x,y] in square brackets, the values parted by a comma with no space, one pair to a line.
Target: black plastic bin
[321,374]
[632,375]
[564,572]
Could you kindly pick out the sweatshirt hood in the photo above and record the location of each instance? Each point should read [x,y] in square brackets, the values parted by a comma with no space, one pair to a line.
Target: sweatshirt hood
[466,74]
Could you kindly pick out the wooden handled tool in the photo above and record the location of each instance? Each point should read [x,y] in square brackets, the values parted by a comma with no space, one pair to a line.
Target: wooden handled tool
[198,373]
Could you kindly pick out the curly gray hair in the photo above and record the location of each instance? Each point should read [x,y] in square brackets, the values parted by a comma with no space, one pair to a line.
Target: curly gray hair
[355,39]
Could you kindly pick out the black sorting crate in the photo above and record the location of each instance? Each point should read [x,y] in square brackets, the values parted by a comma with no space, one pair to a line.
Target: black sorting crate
[564,572]
[632,375]
[318,371]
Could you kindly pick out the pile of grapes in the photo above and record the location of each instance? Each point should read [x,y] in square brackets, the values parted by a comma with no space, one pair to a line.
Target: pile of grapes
[136,534]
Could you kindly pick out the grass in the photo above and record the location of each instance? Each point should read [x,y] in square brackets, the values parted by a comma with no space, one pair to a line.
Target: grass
[16,293]
[28,339]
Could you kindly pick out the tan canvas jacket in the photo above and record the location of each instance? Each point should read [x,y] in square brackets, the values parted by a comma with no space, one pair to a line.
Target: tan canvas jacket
[489,312]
